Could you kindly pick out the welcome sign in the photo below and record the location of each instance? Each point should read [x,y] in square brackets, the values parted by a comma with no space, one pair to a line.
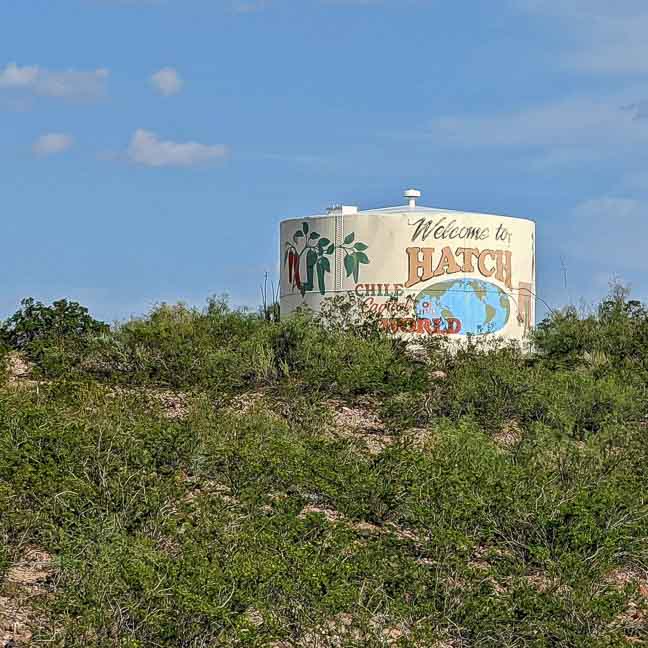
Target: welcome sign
[457,273]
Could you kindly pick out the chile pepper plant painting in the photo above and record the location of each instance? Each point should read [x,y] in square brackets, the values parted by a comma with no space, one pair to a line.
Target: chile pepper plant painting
[318,251]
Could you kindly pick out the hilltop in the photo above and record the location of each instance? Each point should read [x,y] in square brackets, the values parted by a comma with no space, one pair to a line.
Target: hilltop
[216,478]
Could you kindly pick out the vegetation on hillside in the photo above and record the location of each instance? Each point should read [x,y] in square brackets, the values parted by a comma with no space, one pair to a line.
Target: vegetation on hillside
[215,478]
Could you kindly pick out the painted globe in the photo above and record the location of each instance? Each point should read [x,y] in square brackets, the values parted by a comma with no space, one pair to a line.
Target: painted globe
[480,306]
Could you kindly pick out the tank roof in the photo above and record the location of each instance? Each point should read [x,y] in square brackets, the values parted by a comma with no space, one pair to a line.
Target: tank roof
[421,209]
[410,208]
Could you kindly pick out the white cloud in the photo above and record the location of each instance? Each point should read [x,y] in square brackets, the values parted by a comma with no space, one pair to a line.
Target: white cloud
[608,37]
[611,231]
[18,77]
[601,37]
[52,143]
[573,125]
[147,149]
[167,81]
[51,83]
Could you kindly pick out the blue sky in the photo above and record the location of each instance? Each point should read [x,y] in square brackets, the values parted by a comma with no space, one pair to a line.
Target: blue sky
[149,149]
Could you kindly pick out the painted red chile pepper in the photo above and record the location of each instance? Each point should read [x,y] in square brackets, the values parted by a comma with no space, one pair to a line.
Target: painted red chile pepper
[296,272]
[291,254]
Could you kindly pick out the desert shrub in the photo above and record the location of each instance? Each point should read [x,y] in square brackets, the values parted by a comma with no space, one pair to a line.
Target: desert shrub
[623,332]
[226,350]
[54,337]
[178,532]
[614,337]
[496,384]
[408,409]
[7,511]
[262,526]
[222,349]
[563,337]
[348,313]
[579,404]
[491,383]
[218,349]
[186,348]
[34,322]
[342,360]
[345,350]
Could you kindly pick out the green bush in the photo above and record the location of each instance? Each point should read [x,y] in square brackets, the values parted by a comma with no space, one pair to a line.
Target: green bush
[54,337]
[185,348]
[224,350]
[491,383]
[176,531]
[571,387]
[266,519]
[578,404]
[337,360]
[36,323]
[615,337]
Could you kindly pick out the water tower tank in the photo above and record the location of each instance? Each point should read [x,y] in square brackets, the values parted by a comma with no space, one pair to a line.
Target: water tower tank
[457,273]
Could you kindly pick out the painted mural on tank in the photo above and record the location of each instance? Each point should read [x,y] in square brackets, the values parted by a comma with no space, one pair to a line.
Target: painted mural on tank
[465,306]
[308,254]
[458,274]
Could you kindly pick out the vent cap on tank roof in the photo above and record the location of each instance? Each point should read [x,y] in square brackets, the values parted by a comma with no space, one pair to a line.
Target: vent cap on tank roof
[412,195]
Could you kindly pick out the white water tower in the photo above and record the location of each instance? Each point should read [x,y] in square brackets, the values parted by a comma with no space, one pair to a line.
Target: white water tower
[457,273]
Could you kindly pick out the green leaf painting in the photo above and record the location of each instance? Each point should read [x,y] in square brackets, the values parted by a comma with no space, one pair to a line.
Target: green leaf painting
[349,264]
[321,278]
[308,259]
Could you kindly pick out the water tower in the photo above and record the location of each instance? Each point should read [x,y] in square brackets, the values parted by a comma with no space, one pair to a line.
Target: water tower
[457,273]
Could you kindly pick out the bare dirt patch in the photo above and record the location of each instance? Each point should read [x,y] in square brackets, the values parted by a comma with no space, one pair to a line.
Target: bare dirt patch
[419,438]
[209,487]
[630,576]
[256,402]
[362,527]
[174,405]
[27,579]
[18,366]
[509,436]
[33,570]
[634,619]
[330,515]
[344,628]
[15,621]
[357,419]
[360,423]
[247,403]
[20,371]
